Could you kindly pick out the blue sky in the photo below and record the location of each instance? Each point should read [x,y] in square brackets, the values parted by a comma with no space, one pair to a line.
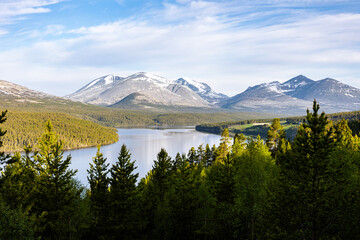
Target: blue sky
[57,46]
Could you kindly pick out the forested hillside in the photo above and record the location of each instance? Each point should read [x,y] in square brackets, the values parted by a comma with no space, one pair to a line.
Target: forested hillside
[307,188]
[25,128]
[114,117]
[254,127]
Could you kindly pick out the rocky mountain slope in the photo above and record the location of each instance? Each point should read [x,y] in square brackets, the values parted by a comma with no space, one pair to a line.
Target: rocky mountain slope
[296,95]
[146,90]
[11,92]
[203,90]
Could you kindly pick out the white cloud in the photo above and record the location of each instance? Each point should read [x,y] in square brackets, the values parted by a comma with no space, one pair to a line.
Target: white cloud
[11,10]
[202,40]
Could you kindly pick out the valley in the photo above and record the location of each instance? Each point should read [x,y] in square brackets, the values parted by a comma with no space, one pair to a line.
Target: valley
[144,99]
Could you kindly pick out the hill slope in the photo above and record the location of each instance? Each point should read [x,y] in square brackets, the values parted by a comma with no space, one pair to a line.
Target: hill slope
[24,128]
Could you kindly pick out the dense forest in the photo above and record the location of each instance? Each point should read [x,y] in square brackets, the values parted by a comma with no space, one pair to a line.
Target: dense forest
[25,128]
[115,117]
[308,188]
[254,127]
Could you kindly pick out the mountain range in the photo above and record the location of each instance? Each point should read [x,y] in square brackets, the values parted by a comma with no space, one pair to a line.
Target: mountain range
[144,90]
[148,91]
[295,95]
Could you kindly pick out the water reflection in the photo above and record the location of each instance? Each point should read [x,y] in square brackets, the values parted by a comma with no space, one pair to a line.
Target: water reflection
[144,145]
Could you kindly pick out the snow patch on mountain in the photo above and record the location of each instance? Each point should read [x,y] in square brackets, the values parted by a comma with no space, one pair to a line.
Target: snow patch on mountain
[110,90]
[296,95]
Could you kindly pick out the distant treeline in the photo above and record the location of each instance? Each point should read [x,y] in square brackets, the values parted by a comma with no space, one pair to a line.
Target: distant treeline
[217,128]
[307,188]
[25,128]
[115,117]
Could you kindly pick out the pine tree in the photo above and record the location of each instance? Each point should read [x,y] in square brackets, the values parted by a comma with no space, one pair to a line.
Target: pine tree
[56,192]
[307,180]
[123,196]
[181,202]
[200,155]
[208,156]
[161,173]
[275,135]
[18,178]
[255,169]
[224,147]
[99,195]
[4,158]
[159,183]
[192,156]
[344,136]
[14,224]
[239,145]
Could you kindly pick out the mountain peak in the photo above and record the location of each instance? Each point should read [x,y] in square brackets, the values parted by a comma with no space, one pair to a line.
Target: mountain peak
[203,90]
[330,80]
[149,77]
[296,82]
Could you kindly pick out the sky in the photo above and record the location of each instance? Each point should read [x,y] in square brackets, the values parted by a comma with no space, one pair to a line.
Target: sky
[58,46]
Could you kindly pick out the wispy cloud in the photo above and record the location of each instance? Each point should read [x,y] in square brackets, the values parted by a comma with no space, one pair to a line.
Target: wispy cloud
[230,45]
[12,10]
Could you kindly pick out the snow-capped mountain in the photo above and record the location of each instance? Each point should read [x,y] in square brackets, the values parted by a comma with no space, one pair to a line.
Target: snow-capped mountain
[203,90]
[293,84]
[10,91]
[266,97]
[91,91]
[145,90]
[139,88]
[330,91]
[296,95]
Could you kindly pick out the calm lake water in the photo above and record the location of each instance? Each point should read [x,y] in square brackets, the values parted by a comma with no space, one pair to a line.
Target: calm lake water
[144,145]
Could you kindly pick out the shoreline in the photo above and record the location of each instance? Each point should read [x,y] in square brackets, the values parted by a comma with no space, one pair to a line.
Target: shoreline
[126,127]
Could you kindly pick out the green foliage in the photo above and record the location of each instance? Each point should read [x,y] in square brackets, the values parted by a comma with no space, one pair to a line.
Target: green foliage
[99,196]
[15,224]
[255,127]
[115,117]
[239,145]
[25,128]
[309,181]
[240,189]
[43,187]
[123,196]
[56,191]
[224,147]
[256,171]
[4,158]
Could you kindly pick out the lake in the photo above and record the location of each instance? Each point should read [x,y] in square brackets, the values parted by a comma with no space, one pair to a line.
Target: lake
[144,145]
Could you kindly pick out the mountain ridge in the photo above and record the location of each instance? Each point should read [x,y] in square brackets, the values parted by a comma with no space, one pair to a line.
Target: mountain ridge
[295,95]
[159,90]
[146,91]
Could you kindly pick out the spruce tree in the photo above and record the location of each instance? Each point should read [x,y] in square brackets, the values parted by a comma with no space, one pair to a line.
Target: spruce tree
[208,156]
[255,169]
[158,185]
[192,156]
[275,135]
[181,202]
[239,145]
[307,180]
[99,196]
[162,173]
[224,147]
[56,191]
[4,158]
[123,196]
